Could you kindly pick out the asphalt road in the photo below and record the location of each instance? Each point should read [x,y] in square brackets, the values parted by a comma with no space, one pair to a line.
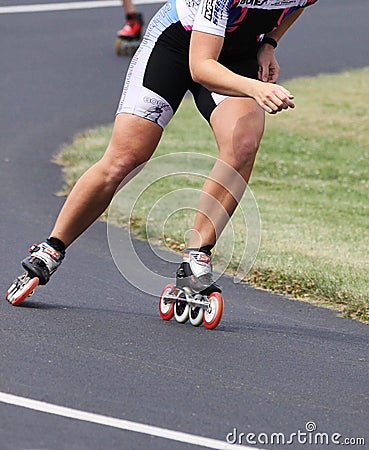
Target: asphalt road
[92,342]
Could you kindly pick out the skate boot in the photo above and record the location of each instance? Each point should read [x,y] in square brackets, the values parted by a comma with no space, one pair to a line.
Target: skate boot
[39,266]
[129,36]
[196,273]
[195,296]
[132,28]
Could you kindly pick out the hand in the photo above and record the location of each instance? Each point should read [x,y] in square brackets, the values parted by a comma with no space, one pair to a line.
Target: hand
[268,66]
[272,97]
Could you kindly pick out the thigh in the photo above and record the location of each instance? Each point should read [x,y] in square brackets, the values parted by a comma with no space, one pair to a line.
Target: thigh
[133,140]
[238,123]
[157,79]
[238,126]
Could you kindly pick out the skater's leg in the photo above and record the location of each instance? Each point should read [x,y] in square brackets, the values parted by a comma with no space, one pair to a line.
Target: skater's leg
[128,6]
[238,125]
[133,141]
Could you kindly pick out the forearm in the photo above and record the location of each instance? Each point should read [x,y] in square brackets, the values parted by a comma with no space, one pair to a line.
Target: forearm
[278,33]
[206,70]
[217,78]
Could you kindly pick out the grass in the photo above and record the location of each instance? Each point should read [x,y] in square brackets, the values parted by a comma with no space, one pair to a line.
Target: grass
[310,182]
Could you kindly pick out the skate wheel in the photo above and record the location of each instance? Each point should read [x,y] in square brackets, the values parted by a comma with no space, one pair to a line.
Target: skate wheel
[181,311]
[118,47]
[213,314]
[196,316]
[132,51]
[166,308]
[17,296]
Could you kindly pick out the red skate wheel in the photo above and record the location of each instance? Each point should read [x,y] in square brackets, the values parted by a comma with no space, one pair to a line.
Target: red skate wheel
[166,307]
[213,315]
[23,293]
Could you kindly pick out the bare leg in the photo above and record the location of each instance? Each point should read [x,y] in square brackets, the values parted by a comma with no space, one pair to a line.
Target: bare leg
[238,126]
[128,6]
[132,143]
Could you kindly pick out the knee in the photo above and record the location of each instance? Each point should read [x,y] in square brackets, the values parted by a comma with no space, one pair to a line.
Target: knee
[240,143]
[242,151]
[246,147]
[116,169]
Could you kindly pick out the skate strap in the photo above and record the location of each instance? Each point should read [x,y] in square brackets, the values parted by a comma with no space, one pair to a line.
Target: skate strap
[200,263]
[51,257]
[199,257]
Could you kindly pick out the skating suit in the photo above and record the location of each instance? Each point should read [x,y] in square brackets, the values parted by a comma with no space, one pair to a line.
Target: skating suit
[159,75]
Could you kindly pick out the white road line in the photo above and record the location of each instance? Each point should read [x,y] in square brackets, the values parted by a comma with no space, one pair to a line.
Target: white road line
[116,423]
[67,6]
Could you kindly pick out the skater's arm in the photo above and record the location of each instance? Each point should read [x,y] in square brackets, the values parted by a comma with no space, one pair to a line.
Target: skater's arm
[268,66]
[206,70]
[279,32]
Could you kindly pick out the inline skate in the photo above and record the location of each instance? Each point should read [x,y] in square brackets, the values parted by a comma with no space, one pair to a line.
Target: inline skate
[129,37]
[39,266]
[194,297]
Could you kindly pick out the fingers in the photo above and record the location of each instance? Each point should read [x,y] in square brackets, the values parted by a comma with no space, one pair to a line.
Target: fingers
[263,73]
[268,72]
[277,100]
[273,77]
[271,97]
[260,73]
[276,104]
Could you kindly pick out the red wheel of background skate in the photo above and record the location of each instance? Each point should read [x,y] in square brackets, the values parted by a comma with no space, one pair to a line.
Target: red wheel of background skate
[214,315]
[166,309]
